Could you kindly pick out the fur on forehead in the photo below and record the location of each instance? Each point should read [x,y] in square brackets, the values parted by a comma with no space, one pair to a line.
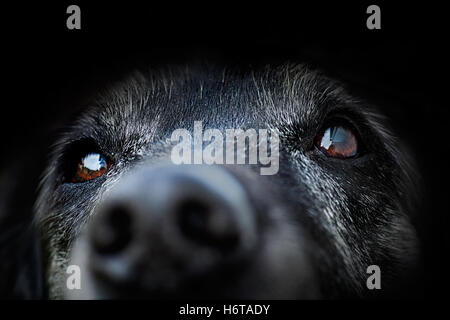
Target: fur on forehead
[178,94]
[149,105]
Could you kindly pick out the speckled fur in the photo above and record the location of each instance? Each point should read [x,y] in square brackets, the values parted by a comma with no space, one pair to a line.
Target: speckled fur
[356,211]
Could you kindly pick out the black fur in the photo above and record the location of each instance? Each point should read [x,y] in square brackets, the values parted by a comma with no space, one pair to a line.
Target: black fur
[352,213]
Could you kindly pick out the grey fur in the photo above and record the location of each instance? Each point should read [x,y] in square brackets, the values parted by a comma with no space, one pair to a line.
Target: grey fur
[355,211]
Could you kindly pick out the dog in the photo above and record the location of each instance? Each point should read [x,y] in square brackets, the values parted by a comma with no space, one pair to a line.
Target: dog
[113,203]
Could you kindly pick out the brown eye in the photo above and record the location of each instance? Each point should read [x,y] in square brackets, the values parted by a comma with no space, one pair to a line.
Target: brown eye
[91,166]
[337,142]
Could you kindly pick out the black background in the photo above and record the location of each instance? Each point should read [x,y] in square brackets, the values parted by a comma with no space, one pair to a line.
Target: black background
[49,70]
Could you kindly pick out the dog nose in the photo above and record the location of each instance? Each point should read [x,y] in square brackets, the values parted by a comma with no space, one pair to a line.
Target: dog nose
[198,205]
[185,218]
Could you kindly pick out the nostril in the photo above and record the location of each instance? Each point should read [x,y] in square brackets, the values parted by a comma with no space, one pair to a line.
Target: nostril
[114,232]
[206,225]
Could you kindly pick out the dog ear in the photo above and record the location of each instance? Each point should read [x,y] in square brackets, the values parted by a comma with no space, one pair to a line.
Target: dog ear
[20,267]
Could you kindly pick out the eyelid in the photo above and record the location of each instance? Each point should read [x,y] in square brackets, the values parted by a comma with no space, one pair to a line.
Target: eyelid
[346,116]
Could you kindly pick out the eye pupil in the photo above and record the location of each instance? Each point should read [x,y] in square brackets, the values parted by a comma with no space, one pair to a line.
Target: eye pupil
[91,166]
[338,142]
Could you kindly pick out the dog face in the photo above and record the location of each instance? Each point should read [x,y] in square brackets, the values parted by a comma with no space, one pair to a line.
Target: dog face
[113,202]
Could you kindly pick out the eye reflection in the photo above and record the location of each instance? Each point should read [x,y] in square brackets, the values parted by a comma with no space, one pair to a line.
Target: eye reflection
[338,142]
[91,166]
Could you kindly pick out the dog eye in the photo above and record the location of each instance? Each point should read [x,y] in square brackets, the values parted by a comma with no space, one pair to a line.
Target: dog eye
[91,166]
[338,142]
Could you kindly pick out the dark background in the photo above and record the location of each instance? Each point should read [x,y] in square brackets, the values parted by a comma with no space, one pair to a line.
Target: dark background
[48,71]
